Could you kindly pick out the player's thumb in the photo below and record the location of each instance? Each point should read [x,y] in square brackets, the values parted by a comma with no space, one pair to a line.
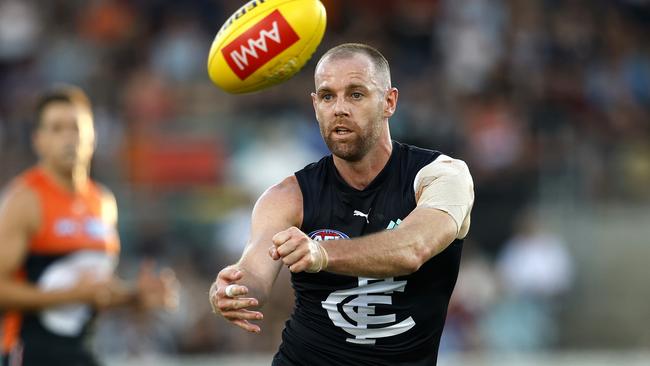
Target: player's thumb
[147,268]
[281,237]
[230,274]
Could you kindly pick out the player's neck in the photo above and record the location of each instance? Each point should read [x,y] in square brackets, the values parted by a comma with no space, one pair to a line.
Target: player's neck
[73,180]
[360,174]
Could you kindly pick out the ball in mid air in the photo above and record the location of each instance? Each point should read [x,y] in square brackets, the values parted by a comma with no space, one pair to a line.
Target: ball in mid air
[264,43]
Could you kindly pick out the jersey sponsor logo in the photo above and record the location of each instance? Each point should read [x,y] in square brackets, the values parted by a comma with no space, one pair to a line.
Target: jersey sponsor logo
[353,311]
[327,234]
[259,44]
[94,227]
[65,227]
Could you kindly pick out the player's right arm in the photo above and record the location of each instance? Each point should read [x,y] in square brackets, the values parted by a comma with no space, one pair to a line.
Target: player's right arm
[19,220]
[254,274]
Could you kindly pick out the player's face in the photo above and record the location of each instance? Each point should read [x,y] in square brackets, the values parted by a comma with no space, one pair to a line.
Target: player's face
[65,137]
[351,105]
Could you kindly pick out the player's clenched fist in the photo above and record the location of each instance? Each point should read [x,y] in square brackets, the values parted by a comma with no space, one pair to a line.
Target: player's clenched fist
[298,251]
[226,299]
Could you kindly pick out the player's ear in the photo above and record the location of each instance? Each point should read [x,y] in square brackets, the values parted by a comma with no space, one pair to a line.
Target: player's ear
[37,142]
[390,102]
[314,102]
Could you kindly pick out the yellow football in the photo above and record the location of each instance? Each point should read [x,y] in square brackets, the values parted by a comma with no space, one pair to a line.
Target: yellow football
[264,43]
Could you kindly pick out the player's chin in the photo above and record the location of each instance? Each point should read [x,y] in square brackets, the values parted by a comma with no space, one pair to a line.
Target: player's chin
[66,163]
[346,153]
[343,142]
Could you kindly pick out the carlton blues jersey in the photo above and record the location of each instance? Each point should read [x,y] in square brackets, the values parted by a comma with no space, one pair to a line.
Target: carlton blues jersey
[343,320]
[74,239]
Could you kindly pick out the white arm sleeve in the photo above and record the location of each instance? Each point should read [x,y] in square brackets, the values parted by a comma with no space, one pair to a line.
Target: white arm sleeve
[446,184]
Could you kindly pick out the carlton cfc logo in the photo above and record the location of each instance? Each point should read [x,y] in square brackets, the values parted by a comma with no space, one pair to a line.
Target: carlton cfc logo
[327,234]
[354,310]
[259,44]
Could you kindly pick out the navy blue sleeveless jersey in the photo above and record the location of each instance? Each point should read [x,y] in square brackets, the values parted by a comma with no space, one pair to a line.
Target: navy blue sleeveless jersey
[344,320]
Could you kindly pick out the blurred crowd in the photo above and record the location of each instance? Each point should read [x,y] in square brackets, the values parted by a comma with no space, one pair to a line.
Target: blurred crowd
[544,99]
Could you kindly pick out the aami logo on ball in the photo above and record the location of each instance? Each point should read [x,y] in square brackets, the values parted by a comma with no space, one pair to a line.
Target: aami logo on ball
[258,45]
[327,234]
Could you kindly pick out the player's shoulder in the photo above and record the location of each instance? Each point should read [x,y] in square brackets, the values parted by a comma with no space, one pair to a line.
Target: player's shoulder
[316,167]
[414,150]
[19,199]
[22,187]
[287,189]
[103,191]
[413,158]
[29,179]
[430,158]
[444,159]
[445,166]
[20,192]
[415,155]
[282,199]
[313,176]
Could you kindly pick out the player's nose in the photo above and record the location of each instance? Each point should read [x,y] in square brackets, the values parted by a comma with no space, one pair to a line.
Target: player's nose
[341,108]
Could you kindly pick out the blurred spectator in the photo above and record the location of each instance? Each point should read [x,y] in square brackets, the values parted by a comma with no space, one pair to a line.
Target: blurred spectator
[20,29]
[534,270]
[471,37]
[475,293]
[178,54]
[263,163]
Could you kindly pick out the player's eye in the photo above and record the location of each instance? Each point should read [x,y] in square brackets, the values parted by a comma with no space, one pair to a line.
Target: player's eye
[356,95]
[56,128]
[327,97]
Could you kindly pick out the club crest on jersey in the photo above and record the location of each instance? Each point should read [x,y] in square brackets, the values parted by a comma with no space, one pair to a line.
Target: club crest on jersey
[327,234]
[259,44]
[354,310]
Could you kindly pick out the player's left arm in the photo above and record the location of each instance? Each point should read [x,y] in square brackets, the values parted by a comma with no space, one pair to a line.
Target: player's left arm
[444,193]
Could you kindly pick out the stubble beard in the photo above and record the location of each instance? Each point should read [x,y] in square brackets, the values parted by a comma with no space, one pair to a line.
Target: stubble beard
[356,147]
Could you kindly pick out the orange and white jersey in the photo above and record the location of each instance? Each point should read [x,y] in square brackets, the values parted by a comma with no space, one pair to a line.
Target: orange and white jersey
[70,221]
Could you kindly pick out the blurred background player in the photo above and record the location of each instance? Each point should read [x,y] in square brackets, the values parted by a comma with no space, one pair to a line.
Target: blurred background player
[60,244]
